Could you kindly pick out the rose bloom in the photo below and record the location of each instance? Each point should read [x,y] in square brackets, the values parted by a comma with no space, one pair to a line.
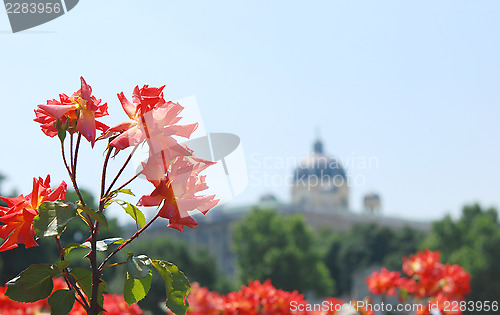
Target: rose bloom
[78,112]
[20,211]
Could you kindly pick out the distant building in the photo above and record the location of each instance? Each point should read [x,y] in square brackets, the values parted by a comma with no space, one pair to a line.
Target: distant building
[372,203]
[320,192]
[320,183]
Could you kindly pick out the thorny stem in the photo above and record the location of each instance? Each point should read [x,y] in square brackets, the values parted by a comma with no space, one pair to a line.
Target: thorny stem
[71,153]
[96,272]
[101,267]
[120,171]
[94,307]
[72,175]
[75,160]
[67,278]
[103,178]
[64,159]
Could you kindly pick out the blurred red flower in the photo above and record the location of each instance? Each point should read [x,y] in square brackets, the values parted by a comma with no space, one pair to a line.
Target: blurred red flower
[427,279]
[383,282]
[425,264]
[455,281]
[256,298]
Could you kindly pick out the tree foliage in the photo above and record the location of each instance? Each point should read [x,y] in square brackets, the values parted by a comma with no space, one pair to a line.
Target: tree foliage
[367,245]
[472,241]
[280,248]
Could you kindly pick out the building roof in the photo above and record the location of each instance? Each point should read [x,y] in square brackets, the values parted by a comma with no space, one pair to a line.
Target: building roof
[319,166]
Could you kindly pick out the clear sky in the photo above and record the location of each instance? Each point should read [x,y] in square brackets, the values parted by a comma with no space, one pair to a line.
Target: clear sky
[413,85]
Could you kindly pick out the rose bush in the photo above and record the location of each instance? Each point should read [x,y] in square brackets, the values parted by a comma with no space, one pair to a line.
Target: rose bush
[173,170]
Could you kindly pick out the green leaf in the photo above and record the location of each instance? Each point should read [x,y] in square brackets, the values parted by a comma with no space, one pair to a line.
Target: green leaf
[98,216]
[103,245]
[176,285]
[123,191]
[133,211]
[138,266]
[83,278]
[61,302]
[72,246]
[32,284]
[52,218]
[135,289]
[103,287]
[62,264]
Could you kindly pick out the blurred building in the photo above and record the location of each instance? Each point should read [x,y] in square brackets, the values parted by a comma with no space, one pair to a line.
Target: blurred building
[320,183]
[319,191]
[372,203]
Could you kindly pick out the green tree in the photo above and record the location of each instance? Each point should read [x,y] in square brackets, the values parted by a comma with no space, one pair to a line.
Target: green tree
[281,248]
[472,241]
[365,245]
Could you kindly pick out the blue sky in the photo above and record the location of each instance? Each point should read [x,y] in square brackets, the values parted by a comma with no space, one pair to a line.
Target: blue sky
[414,85]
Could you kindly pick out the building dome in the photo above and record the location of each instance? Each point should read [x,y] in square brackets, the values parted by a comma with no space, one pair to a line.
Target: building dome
[268,197]
[319,167]
[320,183]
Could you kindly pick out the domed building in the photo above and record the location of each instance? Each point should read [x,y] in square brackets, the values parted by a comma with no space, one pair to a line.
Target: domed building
[319,192]
[320,183]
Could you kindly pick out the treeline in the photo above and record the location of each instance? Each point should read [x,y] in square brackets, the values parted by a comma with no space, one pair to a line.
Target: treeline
[287,251]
